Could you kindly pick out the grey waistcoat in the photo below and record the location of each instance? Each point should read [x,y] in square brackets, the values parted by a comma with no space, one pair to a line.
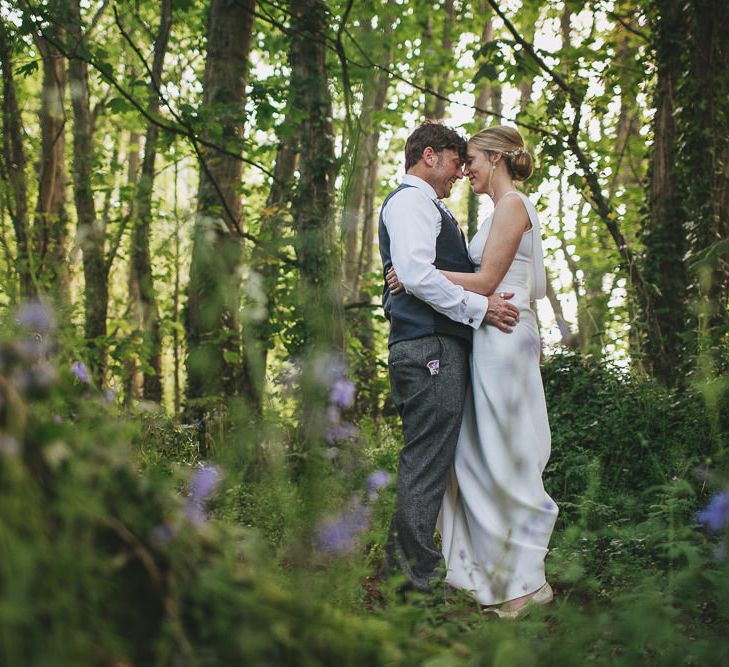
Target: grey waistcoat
[409,316]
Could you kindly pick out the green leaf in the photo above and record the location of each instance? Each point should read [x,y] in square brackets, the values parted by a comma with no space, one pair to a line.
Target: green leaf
[28,69]
[488,71]
[118,105]
[231,357]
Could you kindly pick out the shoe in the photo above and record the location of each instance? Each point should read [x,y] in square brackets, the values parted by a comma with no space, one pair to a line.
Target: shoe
[542,596]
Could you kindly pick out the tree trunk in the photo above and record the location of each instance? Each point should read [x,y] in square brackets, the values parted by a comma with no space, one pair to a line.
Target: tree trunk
[489,97]
[133,379]
[703,169]
[365,368]
[364,164]
[90,231]
[663,345]
[437,57]
[14,165]
[211,318]
[315,248]
[567,338]
[141,259]
[446,64]
[266,264]
[50,227]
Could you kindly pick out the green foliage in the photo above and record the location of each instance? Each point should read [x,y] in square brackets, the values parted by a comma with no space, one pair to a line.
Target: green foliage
[102,561]
[626,430]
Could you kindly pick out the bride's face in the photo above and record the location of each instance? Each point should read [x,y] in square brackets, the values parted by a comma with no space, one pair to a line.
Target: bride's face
[477,169]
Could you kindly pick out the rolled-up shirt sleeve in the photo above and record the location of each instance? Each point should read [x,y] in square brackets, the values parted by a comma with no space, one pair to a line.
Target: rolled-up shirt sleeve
[413,223]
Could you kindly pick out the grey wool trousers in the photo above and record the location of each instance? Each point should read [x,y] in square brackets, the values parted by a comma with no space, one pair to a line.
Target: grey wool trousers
[428,378]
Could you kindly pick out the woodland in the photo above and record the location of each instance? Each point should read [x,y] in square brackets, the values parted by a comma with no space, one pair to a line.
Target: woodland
[197,441]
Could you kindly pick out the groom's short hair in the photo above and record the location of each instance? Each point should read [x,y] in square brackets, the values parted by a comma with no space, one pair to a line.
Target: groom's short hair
[436,135]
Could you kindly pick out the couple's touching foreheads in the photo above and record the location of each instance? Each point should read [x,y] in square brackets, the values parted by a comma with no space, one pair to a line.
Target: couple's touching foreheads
[464,353]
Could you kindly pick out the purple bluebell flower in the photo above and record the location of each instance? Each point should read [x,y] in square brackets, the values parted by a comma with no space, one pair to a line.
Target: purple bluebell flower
[341,432]
[109,395]
[716,514]
[328,369]
[333,414]
[204,483]
[78,368]
[196,513]
[339,536]
[36,315]
[202,487]
[342,393]
[378,480]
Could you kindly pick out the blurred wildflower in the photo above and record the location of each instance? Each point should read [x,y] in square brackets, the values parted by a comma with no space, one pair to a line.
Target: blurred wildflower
[331,453]
[109,395]
[716,514]
[341,432]
[333,414]
[36,315]
[342,393]
[204,483]
[376,481]
[202,487]
[327,369]
[31,349]
[40,375]
[339,536]
[78,368]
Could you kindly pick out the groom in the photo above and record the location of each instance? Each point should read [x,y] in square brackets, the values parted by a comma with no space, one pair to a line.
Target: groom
[431,324]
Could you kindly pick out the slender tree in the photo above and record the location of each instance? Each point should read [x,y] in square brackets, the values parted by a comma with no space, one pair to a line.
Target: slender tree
[141,259]
[14,164]
[266,261]
[50,224]
[313,220]
[213,297]
[90,230]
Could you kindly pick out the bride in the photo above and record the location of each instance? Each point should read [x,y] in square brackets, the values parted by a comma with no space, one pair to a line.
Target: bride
[496,518]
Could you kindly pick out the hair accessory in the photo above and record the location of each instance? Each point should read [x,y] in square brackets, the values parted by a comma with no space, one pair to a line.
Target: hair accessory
[515,153]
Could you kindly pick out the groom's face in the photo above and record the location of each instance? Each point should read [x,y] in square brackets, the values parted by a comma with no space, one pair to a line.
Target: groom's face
[447,170]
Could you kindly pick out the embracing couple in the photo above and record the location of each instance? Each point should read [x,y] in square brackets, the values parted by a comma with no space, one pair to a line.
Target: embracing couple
[464,372]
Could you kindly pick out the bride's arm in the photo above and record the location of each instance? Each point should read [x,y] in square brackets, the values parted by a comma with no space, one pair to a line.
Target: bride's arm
[509,224]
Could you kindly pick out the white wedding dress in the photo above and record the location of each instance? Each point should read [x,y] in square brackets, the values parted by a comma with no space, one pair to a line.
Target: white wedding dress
[496,518]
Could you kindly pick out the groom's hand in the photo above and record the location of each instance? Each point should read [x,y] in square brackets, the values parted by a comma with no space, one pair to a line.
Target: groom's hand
[502,314]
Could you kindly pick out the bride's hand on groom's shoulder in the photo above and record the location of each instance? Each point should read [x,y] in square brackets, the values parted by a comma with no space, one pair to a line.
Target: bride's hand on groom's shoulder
[502,314]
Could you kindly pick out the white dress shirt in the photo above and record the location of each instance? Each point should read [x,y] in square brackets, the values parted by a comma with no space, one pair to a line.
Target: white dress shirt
[413,223]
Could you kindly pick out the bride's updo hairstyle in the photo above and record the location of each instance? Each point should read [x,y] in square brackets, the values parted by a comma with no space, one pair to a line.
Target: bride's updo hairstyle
[507,141]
